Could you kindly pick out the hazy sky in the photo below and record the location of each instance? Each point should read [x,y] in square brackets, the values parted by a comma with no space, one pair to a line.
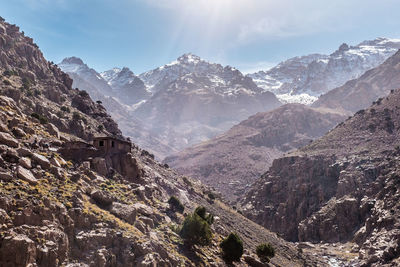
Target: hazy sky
[247,34]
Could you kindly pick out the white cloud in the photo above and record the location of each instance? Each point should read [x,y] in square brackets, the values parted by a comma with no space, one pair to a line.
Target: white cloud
[244,21]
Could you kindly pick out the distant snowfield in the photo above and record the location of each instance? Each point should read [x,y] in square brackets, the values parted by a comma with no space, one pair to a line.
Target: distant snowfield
[303,98]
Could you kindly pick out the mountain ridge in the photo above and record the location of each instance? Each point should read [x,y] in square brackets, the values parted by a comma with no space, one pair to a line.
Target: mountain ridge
[305,78]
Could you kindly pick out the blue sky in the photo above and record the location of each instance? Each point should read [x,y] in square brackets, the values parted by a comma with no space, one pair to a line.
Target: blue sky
[247,34]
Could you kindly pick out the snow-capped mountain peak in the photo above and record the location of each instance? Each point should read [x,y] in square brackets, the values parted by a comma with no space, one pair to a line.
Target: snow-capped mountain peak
[72,60]
[304,79]
[189,58]
[185,64]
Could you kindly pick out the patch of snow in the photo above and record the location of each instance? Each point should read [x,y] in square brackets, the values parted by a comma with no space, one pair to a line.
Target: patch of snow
[303,98]
[135,106]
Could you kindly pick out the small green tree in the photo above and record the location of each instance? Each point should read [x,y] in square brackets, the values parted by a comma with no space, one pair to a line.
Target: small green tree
[195,230]
[265,252]
[232,248]
[76,116]
[175,204]
[83,93]
[202,212]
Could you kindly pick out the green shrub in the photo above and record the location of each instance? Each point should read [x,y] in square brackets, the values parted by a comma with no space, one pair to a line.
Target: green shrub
[83,93]
[232,248]
[9,73]
[100,128]
[195,230]
[201,211]
[211,195]
[6,82]
[175,204]
[65,109]
[41,118]
[26,83]
[265,252]
[76,116]
[186,181]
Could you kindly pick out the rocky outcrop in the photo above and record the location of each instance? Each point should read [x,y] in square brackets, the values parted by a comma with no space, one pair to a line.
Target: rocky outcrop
[342,187]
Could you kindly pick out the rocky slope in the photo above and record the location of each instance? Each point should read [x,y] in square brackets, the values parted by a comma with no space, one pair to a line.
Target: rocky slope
[304,79]
[360,93]
[342,187]
[63,207]
[232,161]
[191,101]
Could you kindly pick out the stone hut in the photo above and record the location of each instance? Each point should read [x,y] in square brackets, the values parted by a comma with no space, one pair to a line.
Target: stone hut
[112,145]
[78,150]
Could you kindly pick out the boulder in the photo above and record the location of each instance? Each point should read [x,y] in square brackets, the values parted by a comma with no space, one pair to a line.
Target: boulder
[147,221]
[147,260]
[253,262]
[55,162]
[143,209]
[102,198]
[14,122]
[4,217]
[5,176]
[3,148]
[3,127]
[41,160]
[125,212]
[99,165]
[26,175]
[53,130]
[18,132]
[7,139]
[25,162]
[24,152]
[17,250]
[11,156]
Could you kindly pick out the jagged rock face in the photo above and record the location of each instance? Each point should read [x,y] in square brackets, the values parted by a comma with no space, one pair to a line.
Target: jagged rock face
[360,93]
[341,187]
[55,212]
[129,88]
[303,79]
[233,160]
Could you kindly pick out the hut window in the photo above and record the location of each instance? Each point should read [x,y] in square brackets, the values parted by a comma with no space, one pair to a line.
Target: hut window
[101,143]
[112,143]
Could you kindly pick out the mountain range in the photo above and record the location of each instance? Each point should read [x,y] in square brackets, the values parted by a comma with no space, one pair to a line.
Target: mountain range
[235,159]
[183,103]
[191,100]
[303,79]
